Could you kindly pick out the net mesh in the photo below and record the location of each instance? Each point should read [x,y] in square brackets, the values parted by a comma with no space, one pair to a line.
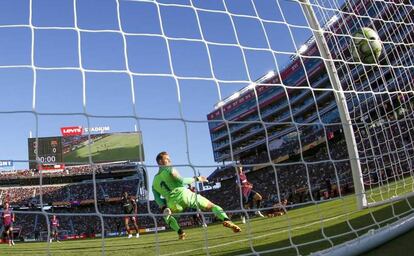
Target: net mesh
[163,65]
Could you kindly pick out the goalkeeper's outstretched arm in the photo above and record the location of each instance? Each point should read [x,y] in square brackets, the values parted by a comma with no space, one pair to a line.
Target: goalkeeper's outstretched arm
[186,181]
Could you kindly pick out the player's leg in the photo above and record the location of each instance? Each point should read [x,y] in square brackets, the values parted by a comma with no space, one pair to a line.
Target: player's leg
[7,231]
[257,201]
[57,237]
[284,210]
[11,235]
[55,234]
[249,202]
[199,220]
[126,221]
[134,221]
[172,221]
[194,200]
[246,205]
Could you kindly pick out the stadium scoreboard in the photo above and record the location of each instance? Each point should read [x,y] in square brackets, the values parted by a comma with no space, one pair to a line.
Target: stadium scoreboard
[76,150]
[49,150]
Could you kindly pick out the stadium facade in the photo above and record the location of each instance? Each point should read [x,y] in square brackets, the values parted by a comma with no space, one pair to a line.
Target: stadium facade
[265,118]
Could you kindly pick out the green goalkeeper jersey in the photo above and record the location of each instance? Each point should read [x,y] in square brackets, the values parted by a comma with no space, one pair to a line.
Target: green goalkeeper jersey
[166,185]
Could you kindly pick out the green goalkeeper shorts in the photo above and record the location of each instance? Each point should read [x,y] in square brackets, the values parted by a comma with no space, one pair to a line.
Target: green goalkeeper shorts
[182,199]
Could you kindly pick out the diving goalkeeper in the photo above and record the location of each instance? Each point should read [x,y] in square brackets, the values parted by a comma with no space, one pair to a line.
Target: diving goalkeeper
[176,196]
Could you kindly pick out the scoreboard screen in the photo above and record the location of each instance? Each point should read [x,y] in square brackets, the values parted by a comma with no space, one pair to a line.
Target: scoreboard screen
[76,150]
[49,150]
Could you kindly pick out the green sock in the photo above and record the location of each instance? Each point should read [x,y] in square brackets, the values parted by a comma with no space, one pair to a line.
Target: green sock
[172,222]
[218,211]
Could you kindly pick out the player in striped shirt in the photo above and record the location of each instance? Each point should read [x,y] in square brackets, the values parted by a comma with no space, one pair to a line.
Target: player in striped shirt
[8,218]
[55,232]
[251,198]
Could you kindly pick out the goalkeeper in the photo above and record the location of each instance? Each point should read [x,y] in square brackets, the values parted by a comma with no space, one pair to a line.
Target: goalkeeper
[176,197]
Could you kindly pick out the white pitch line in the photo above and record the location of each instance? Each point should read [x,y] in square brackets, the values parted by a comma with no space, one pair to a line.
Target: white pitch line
[256,237]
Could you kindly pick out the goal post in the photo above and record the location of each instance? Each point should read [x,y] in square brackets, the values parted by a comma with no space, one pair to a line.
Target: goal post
[341,102]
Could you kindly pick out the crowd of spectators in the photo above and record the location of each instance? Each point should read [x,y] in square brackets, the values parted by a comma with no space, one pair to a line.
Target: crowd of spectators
[298,182]
[68,171]
[310,137]
[30,195]
[385,143]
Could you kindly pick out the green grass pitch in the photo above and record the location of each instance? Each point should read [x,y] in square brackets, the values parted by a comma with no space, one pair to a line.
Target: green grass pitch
[302,230]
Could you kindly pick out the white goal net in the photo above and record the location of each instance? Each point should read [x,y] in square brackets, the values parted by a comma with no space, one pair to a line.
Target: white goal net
[313,98]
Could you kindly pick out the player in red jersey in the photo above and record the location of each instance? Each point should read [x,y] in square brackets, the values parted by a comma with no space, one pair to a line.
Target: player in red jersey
[55,225]
[8,218]
[251,198]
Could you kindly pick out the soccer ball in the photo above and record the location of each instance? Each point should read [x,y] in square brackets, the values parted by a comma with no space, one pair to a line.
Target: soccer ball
[366,46]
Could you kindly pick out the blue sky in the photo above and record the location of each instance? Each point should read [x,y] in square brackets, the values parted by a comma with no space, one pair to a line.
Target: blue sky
[59,65]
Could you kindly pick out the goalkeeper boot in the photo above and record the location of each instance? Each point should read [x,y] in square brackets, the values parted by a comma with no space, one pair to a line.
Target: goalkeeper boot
[181,236]
[234,227]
